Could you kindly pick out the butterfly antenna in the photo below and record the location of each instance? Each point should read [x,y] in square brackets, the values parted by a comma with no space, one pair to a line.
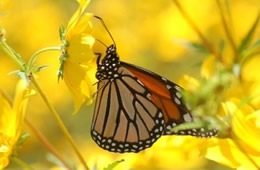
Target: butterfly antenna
[102,43]
[103,23]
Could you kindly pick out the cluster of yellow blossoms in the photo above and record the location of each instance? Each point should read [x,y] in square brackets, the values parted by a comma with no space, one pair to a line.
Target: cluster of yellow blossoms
[227,97]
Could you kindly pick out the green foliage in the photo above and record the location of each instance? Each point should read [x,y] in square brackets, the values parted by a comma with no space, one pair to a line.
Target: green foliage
[206,101]
[62,32]
[113,165]
[194,46]
[64,55]
[22,139]
[247,39]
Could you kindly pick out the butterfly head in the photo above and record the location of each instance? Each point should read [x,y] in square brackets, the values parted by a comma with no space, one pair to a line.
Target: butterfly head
[108,67]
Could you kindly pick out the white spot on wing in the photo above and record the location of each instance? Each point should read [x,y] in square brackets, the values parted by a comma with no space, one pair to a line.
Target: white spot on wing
[168,86]
[148,96]
[174,124]
[178,88]
[178,95]
[140,82]
[177,101]
[135,146]
[187,117]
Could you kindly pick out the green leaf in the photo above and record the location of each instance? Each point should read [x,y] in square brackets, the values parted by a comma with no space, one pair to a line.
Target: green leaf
[246,40]
[222,44]
[60,72]
[191,125]
[62,58]
[193,46]
[40,68]
[198,47]
[250,52]
[62,32]
[14,72]
[255,44]
[23,138]
[113,165]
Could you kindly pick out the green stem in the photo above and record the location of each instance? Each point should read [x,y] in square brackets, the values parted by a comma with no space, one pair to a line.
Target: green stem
[59,122]
[46,143]
[226,29]
[249,56]
[12,54]
[197,30]
[24,67]
[21,163]
[35,55]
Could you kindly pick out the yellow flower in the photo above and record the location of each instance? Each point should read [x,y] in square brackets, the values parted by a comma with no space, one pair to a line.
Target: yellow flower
[168,152]
[242,149]
[235,105]
[79,60]
[11,119]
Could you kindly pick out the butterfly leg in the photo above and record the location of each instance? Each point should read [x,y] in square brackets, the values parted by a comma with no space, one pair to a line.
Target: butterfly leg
[98,57]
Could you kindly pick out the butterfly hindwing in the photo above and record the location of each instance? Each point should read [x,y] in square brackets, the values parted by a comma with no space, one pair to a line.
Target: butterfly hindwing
[125,119]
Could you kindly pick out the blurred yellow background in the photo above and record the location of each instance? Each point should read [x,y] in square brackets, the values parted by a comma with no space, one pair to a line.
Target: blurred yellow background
[151,34]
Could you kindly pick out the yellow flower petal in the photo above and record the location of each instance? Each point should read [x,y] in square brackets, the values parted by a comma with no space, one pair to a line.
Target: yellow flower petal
[250,75]
[75,79]
[208,67]
[20,104]
[78,52]
[11,120]
[227,153]
[246,129]
[189,83]
[75,18]
[5,151]
[80,57]
[245,139]
[83,27]
[6,116]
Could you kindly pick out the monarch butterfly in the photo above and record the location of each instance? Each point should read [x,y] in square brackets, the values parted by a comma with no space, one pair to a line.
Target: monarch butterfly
[135,107]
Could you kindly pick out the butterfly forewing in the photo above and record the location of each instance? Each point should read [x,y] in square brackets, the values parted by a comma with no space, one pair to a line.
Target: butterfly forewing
[167,96]
[125,118]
